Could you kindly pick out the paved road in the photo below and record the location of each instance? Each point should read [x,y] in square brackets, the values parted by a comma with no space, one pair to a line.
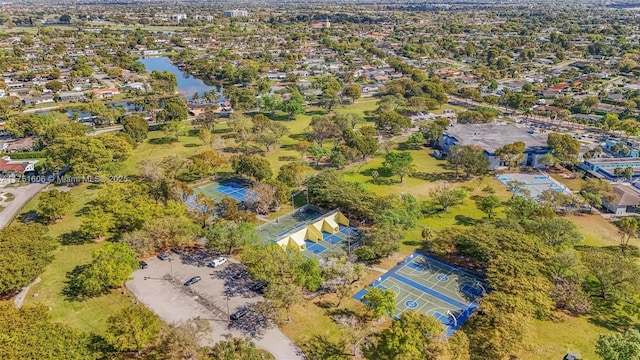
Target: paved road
[22,195]
[175,303]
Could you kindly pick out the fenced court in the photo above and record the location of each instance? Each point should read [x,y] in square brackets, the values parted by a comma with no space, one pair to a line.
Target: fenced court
[296,224]
[535,184]
[217,191]
[432,287]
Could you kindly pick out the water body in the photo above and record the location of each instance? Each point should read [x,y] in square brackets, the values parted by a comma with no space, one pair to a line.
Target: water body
[187,84]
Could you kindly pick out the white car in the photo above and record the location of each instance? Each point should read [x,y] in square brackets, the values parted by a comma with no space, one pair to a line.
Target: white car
[217,262]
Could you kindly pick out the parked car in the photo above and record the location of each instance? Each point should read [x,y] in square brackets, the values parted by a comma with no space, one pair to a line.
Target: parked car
[239,314]
[259,287]
[192,281]
[177,250]
[217,262]
[143,265]
[163,256]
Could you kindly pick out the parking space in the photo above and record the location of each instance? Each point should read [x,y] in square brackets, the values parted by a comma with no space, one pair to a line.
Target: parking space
[221,291]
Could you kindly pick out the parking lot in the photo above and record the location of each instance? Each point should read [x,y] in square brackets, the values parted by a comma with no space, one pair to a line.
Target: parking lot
[220,292]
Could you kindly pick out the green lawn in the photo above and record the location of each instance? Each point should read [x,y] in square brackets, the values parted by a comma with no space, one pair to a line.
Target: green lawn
[88,315]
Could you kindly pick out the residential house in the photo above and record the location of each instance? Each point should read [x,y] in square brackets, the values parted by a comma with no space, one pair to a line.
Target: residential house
[37,100]
[105,93]
[71,96]
[8,166]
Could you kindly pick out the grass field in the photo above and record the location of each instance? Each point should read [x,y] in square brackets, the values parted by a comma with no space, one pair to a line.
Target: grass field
[89,315]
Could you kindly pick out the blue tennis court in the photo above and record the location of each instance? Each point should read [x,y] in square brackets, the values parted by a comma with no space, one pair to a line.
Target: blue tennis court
[314,247]
[333,239]
[232,190]
[347,230]
[432,287]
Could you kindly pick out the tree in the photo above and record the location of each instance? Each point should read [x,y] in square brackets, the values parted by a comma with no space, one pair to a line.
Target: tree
[329,100]
[292,107]
[181,341]
[512,154]
[416,140]
[232,348]
[111,266]
[564,147]
[261,198]
[204,135]
[399,163]
[625,346]
[54,85]
[174,110]
[175,128]
[25,251]
[53,205]
[207,120]
[213,160]
[203,209]
[323,128]
[252,166]
[85,156]
[446,197]
[392,123]
[353,92]
[468,158]
[340,274]
[556,232]
[381,302]
[595,191]
[136,127]
[271,103]
[302,146]
[293,174]
[628,228]
[412,336]
[318,153]
[226,235]
[160,233]
[96,224]
[119,145]
[488,205]
[134,328]
[615,276]
[517,187]
[433,130]
[29,333]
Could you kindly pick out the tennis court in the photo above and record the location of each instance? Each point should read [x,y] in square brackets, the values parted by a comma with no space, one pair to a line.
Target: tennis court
[432,287]
[534,184]
[299,220]
[217,191]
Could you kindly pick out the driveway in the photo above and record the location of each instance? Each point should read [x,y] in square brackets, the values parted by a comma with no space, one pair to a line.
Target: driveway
[22,194]
[221,292]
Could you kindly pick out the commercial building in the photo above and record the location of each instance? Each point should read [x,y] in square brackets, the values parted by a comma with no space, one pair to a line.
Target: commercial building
[493,136]
[606,167]
[236,13]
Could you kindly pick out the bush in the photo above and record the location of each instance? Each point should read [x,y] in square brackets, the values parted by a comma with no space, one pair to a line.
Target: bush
[25,155]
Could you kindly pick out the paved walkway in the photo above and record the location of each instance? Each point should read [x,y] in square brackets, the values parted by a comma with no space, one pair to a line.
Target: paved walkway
[19,300]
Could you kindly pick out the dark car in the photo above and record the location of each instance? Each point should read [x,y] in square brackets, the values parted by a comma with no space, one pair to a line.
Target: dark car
[177,250]
[239,313]
[163,256]
[259,287]
[143,265]
[192,281]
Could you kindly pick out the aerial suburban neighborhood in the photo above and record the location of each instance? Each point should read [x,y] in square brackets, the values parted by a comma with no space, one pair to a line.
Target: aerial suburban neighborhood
[320,180]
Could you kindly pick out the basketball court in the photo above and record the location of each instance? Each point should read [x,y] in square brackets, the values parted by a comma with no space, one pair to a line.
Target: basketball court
[432,287]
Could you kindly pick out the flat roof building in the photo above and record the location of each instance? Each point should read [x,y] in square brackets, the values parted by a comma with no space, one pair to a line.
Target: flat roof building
[490,137]
[236,13]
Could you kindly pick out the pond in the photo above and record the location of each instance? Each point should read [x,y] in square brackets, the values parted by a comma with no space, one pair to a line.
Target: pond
[187,84]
